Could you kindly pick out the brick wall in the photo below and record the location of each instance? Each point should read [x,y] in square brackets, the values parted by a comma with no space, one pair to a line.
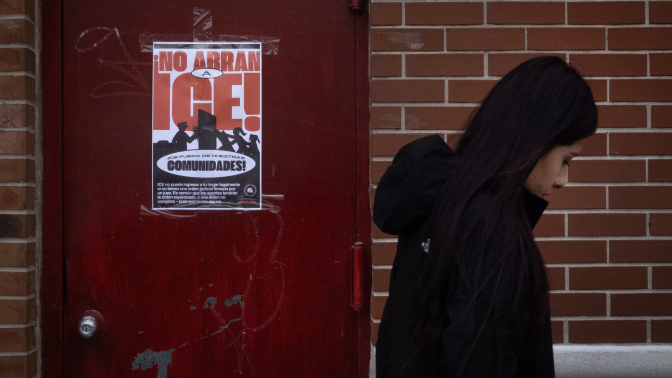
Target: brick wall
[606,237]
[18,30]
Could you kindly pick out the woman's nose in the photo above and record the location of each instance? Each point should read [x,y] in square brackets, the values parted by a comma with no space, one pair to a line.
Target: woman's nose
[561,179]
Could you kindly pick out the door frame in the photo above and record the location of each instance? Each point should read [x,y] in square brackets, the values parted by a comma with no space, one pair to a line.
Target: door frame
[52,290]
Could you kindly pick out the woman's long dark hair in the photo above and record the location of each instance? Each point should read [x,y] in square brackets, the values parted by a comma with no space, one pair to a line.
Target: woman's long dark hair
[541,104]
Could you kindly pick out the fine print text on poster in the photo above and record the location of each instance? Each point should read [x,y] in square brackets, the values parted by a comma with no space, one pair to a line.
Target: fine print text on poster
[206,126]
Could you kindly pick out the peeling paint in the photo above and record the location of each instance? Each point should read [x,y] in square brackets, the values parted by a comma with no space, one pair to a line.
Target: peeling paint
[235,299]
[192,308]
[210,302]
[149,358]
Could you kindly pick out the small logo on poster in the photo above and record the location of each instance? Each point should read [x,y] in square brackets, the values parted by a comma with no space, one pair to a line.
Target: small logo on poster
[250,190]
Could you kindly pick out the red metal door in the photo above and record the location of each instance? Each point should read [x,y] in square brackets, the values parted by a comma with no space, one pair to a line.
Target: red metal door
[216,293]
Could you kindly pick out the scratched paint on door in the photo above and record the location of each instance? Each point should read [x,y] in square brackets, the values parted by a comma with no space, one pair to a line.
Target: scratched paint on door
[206,126]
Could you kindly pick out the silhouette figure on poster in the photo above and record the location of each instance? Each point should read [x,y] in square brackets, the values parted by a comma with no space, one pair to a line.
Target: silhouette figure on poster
[240,141]
[206,131]
[227,144]
[181,138]
[252,148]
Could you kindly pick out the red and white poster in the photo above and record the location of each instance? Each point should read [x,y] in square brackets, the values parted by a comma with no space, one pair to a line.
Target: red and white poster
[206,126]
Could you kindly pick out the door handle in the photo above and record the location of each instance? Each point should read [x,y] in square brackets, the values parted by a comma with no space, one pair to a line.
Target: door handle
[91,324]
[88,327]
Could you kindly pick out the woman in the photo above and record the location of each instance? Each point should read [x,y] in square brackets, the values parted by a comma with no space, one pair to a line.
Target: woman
[468,292]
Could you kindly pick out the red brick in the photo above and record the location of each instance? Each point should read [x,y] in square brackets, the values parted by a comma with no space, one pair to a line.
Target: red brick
[480,39]
[661,331]
[595,145]
[17,116]
[385,117]
[17,143]
[376,233]
[606,13]
[17,198]
[453,139]
[557,330]
[578,304]
[374,332]
[660,12]
[378,168]
[501,64]
[661,225]
[18,366]
[377,307]
[641,90]
[607,224]
[599,89]
[550,225]
[17,31]
[444,65]
[385,14]
[640,144]
[526,13]
[661,64]
[444,13]
[383,253]
[556,278]
[640,251]
[611,116]
[469,90]
[17,59]
[17,88]
[608,278]
[407,91]
[660,170]
[406,40]
[385,65]
[17,254]
[640,38]
[607,171]
[661,116]
[640,197]
[17,339]
[17,170]
[662,277]
[17,226]
[565,39]
[18,7]
[437,117]
[17,283]
[641,304]
[607,331]
[578,197]
[381,279]
[17,311]
[573,251]
[609,64]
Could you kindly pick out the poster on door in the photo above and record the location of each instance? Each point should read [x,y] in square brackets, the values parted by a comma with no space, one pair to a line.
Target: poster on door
[206,126]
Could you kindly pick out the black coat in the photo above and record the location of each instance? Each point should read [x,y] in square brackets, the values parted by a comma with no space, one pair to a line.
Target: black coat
[509,347]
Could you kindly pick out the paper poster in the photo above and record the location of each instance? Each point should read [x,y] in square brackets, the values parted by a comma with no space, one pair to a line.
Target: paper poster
[206,126]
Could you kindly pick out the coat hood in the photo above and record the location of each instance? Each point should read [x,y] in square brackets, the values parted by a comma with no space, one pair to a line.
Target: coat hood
[408,190]
[407,193]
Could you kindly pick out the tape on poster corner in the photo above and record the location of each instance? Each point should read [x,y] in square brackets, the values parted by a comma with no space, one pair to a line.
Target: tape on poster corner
[269,45]
[265,205]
